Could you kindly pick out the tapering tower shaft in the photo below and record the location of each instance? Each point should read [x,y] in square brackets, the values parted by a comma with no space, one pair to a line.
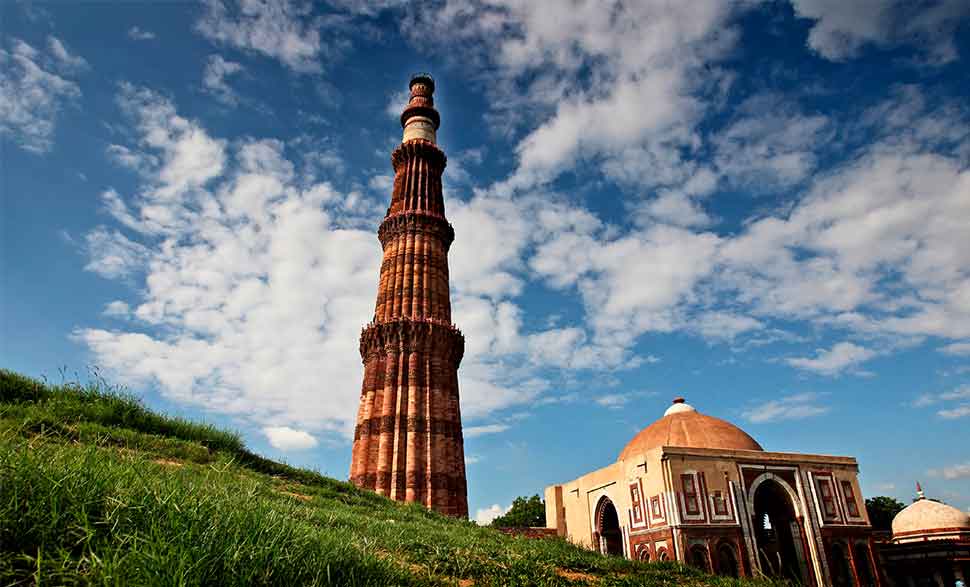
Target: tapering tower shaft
[408,440]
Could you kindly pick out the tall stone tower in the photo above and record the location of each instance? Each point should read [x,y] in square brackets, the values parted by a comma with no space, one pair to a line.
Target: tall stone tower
[408,441]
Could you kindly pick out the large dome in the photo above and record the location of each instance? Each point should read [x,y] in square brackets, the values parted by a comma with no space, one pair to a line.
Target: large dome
[684,426]
[925,518]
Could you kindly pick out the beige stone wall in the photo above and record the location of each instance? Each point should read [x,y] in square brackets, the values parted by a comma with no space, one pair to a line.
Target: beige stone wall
[657,473]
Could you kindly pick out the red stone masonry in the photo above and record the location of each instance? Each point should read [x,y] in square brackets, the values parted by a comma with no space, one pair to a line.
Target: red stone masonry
[408,441]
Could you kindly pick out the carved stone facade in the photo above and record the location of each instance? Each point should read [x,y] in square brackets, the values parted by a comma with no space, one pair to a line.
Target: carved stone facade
[697,489]
[408,440]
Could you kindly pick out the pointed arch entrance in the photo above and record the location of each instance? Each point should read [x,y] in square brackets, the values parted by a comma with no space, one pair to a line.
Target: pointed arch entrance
[777,532]
[608,528]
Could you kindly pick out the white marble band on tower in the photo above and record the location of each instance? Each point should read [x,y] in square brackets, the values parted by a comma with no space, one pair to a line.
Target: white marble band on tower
[419,127]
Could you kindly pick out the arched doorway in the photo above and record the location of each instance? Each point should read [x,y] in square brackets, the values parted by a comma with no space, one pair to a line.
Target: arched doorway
[699,558]
[727,561]
[608,528]
[777,533]
[839,564]
[862,566]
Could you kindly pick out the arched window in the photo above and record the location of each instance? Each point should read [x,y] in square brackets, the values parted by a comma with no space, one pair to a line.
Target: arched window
[644,554]
[727,562]
[662,554]
[699,558]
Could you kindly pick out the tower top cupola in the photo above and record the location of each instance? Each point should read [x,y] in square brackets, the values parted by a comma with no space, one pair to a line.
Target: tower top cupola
[420,120]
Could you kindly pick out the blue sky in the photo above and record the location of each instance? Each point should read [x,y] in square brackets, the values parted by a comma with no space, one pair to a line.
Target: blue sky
[763,207]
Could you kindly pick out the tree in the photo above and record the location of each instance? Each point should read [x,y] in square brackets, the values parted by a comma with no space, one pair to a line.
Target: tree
[882,510]
[524,513]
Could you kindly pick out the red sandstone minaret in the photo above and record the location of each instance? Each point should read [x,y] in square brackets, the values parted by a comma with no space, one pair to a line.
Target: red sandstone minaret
[408,441]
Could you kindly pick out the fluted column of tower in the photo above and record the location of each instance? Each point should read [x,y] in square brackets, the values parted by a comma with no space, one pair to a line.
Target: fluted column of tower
[408,440]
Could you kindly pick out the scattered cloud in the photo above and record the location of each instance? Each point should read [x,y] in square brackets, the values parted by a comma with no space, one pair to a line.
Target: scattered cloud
[956,471]
[117,309]
[72,63]
[612,400]
[959,394]
[280,30]
[961,411]
[214,77]
[842,29]
[769,144]
[929,399]
[484,516]
[475,431]
[792,407]
[244,259]
[842,356]
[638,53]
[958,349]
[137,34]
[286,439]
[725,325]
[112,254]
[396,102]
[34,88]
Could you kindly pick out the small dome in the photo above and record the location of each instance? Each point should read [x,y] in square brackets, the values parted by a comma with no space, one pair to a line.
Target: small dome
[925,517]
[684,426]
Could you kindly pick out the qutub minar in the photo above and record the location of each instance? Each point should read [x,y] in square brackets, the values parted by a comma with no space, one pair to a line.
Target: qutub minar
[408,440]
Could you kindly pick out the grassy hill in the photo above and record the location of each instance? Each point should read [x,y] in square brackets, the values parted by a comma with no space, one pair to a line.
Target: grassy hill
[97,489]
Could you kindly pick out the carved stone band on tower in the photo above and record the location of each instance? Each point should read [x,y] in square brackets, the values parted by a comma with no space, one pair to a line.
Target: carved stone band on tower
[408,442]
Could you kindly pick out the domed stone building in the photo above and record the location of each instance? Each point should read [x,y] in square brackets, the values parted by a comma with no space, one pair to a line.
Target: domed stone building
[930,545]
[698,489]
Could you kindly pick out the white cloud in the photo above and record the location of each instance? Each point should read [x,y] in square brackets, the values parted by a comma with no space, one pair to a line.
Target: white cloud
[474,431]
[382,183]
[133,160]
[612,400]
[113,255]
[279,29]
[874,246]
[842,356]
[769,144]
[792,407]
[956,471]
[484,517]
[71,63]
[396,102]
[928,399]
[842,29]
[959,349]
[117,309]
[244,262]
[961,411]
[285,438]
[32,95]
[725,325]
[638,53]
[137,34]
[214,77]
[189,158]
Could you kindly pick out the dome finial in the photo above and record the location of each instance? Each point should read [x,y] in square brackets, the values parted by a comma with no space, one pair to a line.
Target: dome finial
[919,491]
[679,406]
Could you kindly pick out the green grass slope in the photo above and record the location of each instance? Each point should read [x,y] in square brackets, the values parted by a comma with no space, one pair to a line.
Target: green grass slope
[97,489]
